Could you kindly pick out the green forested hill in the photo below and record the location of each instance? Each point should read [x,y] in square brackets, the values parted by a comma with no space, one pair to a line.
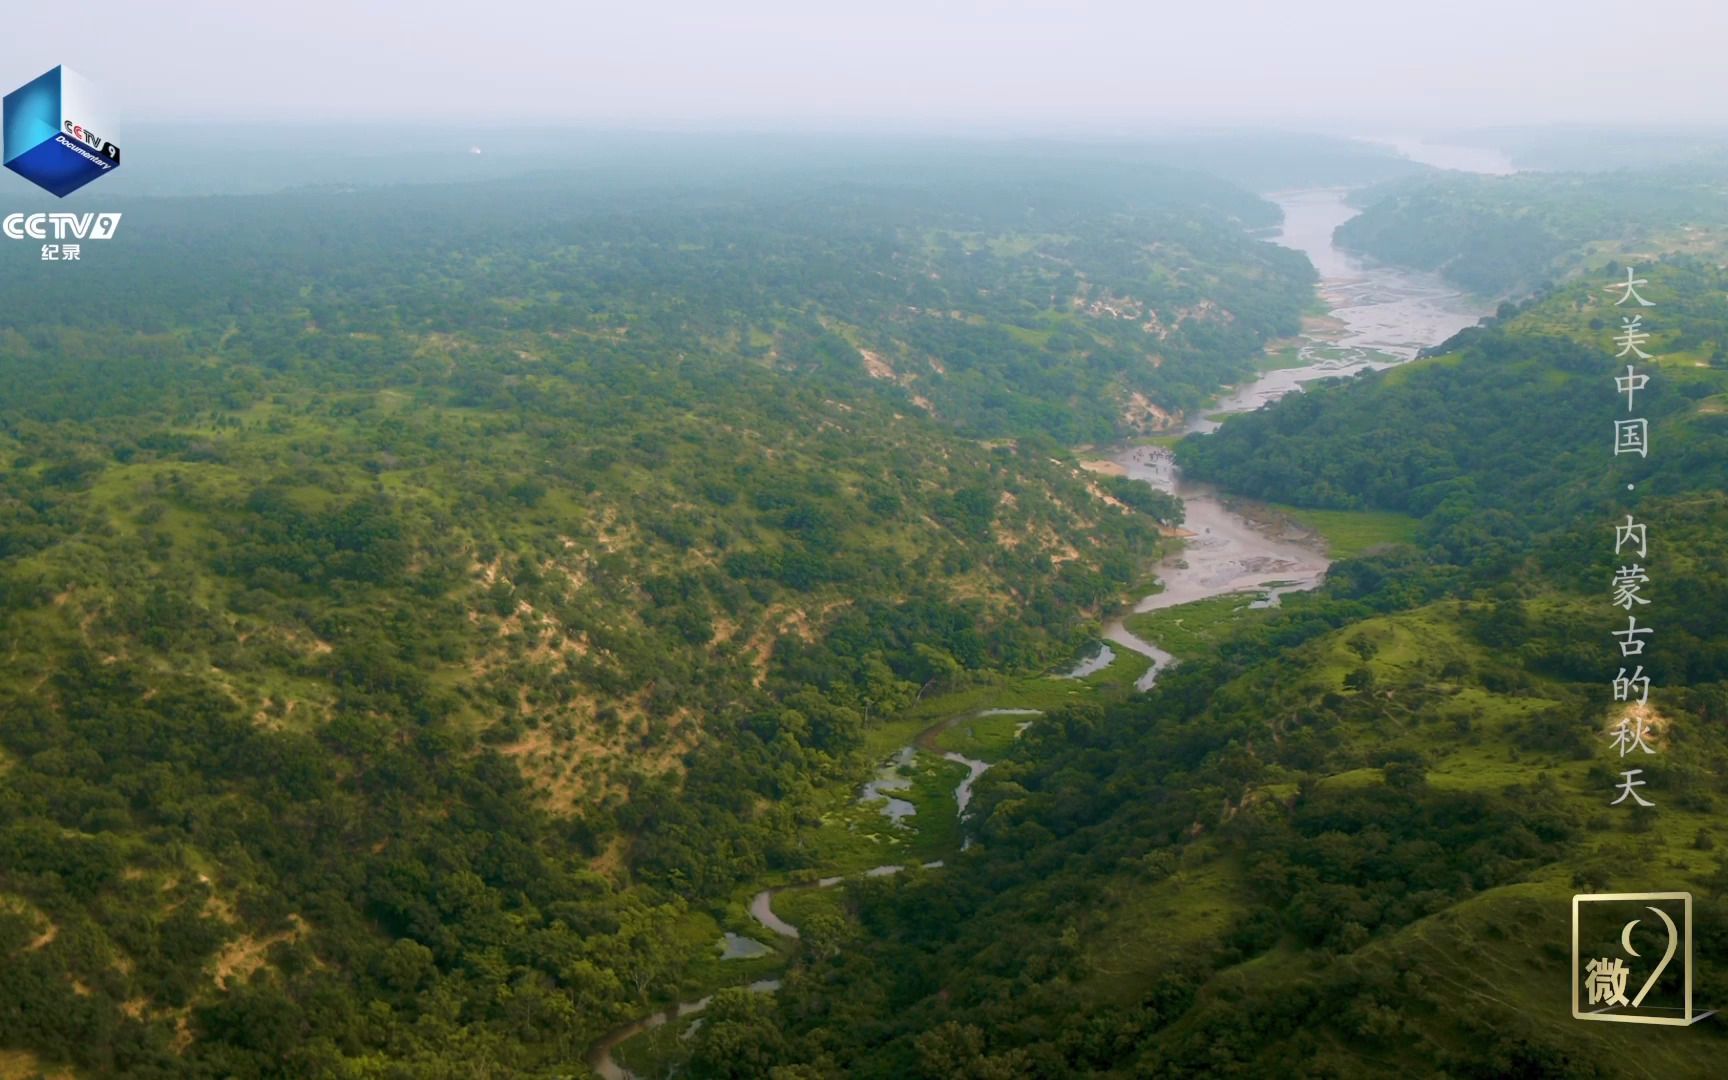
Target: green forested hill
[1437,437]
[415,600]
[1343,843]
[1512,235]
[1000,296]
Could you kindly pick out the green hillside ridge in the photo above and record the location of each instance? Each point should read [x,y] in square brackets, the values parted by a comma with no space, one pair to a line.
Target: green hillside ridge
[1339,839]
[432,613]
[428,611]
[1513,235]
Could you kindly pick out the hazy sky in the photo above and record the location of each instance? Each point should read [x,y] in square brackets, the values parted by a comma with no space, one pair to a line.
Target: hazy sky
[1040,65]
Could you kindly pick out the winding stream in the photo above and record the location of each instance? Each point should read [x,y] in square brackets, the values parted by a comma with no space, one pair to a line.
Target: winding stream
[1380,316]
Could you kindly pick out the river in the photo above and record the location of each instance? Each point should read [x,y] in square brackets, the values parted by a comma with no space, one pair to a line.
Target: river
[1379,316]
